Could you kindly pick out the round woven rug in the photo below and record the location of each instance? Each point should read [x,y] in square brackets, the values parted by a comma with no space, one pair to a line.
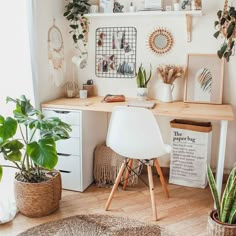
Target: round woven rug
[96,225]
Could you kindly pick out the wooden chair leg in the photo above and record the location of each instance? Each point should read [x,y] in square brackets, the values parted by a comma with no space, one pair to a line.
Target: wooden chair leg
[151,187]
[115,186]
[163,183]
[127,174]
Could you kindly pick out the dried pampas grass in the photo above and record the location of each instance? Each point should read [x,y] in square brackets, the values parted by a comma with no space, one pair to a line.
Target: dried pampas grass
[169,73]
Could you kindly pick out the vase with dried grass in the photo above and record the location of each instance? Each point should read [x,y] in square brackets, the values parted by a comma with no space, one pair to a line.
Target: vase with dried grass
[168,74]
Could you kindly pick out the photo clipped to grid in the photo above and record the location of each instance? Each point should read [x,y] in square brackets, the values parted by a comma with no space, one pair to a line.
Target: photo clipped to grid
[116,52]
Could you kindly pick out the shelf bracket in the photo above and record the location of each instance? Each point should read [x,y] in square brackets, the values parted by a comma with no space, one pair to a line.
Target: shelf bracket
[189,27]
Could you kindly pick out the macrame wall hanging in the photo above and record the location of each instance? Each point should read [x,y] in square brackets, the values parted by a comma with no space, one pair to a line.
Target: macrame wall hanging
[56,55]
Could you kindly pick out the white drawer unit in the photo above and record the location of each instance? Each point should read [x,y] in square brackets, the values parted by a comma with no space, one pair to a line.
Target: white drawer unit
[76,154]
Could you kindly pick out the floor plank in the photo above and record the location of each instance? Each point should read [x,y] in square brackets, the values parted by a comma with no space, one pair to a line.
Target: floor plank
[184,212]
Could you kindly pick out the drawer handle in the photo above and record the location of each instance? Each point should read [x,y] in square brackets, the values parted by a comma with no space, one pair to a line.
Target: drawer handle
[65,171]
[63,154]
[61,112]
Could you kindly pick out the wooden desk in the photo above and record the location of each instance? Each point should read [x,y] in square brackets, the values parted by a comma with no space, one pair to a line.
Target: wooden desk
[222,113]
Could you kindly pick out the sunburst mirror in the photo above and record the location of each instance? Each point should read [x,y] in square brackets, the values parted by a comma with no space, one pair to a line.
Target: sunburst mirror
[160,41]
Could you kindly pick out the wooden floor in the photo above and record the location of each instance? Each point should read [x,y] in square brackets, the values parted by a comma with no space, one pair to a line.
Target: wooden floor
[184,213]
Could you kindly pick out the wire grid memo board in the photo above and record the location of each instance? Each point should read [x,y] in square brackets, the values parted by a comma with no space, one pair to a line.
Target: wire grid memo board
[116,52]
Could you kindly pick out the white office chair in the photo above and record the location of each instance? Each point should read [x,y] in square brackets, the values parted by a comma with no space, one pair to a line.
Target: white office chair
[134,133]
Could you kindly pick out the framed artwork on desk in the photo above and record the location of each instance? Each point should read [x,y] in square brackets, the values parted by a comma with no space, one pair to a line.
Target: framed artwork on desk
[204,79]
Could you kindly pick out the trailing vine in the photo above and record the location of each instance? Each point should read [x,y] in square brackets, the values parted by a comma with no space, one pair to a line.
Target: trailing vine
[74,13]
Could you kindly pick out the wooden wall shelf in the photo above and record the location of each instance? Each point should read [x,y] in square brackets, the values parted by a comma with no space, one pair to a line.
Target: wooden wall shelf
[187,14]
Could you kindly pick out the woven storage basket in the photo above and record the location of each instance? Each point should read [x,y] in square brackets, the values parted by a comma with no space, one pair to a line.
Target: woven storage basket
[217,229]
[38,199]
[107,164]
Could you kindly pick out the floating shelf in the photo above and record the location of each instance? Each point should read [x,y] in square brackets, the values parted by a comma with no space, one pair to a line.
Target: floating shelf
[188,15]
[148,13]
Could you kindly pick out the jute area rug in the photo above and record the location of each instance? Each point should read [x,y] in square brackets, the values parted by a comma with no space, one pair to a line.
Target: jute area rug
[89,225]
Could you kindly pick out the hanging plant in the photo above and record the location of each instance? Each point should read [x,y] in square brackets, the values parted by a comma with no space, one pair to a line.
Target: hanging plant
[226,28]
[74,13]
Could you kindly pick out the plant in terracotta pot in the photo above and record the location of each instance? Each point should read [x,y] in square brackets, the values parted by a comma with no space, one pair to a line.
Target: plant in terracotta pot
[28,143]
[226,29]
[142,82]
[222,220]
[168,74]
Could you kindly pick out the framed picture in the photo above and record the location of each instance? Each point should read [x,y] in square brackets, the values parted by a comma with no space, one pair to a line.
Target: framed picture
[204,79]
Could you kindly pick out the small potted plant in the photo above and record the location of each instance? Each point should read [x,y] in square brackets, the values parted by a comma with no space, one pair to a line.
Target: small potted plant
[28,142]
[222,220]
[226,29]
[142,82]
[168,74]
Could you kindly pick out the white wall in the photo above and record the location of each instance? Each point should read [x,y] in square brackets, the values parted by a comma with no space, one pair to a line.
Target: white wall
[202,42]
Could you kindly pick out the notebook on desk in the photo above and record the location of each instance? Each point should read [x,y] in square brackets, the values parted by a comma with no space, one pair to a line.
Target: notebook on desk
[145,104]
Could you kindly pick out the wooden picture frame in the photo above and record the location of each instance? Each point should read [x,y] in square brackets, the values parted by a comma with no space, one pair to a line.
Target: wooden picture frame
[204,79]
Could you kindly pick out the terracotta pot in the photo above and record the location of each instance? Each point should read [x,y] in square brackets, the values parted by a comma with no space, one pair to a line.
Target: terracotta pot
[38,199]
[217,228]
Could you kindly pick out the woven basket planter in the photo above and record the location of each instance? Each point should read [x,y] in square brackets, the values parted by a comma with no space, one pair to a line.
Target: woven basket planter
[215,228]
[38,199]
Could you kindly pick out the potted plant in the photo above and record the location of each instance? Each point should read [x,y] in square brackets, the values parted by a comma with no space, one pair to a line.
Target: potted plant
[168,74]
[28,143]
[142,82]
[226,28]
[222,220]
[74,13]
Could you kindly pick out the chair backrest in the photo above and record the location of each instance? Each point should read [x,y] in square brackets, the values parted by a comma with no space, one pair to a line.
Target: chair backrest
[134,133]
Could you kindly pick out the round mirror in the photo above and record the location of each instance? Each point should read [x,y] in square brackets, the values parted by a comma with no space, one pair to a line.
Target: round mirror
[160,41]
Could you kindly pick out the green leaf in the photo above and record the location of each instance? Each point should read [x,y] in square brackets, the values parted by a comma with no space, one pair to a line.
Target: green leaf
[43,153]
[216,34]
[222,50]
[216,23]
[12,150]
[1,170]
[74,26]
[222,20]
[213,188]
[230,30]
[219,14]
[228,200]
[228,196]
[8,128]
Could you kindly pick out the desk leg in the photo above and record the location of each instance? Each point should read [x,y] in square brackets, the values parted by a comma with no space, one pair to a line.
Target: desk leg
[221,155]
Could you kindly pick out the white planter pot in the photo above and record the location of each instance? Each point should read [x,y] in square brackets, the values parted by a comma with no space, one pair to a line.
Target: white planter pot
[142,93]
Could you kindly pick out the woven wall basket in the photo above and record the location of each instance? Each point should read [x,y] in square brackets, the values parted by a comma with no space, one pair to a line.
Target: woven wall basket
[38,199]
[217,229]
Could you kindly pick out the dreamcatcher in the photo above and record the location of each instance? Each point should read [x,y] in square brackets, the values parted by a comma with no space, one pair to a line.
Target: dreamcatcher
[56,55]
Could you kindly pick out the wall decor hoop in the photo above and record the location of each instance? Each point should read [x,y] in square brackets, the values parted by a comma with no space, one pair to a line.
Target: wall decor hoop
[160,41]
[56,55]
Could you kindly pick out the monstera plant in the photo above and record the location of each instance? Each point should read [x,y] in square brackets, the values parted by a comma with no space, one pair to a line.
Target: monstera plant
[226,28]
[28,144]
[28,141]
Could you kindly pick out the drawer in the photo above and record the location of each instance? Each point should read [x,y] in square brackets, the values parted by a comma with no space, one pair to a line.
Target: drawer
[70,168]
[68,146]
[70,117]
[75,131]
[68,163]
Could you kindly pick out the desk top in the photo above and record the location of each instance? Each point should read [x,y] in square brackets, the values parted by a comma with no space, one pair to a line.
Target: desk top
[173,109]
